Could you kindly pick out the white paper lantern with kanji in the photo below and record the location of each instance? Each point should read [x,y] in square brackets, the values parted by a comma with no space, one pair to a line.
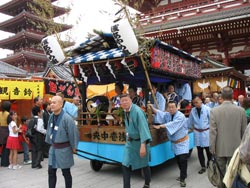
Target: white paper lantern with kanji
[53,49]
[125,37]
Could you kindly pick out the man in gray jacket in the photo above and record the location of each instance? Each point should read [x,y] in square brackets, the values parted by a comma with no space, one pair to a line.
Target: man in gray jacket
[63,136]
[227,125]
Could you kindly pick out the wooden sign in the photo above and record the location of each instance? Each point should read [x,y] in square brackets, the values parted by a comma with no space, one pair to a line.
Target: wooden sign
[115,134]
[167,61]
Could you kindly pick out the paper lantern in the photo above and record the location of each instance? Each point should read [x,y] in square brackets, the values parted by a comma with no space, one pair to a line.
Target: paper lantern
[125,37]
[53,49]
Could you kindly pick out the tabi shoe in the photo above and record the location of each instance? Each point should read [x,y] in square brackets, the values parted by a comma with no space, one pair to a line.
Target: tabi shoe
[203,169]
[183,183]
[16,167]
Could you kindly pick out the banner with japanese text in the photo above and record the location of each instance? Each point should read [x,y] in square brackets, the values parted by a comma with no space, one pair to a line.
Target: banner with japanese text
[15,90]
[69,89]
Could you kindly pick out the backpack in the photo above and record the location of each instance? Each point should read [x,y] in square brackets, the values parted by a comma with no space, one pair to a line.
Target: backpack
[32,124]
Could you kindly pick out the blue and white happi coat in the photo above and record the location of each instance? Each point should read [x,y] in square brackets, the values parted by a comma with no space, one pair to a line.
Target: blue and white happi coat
[200,138]
[176,129]
[161,101]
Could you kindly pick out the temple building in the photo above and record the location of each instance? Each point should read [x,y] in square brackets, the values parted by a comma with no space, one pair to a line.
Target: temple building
[217,29]
[28,31]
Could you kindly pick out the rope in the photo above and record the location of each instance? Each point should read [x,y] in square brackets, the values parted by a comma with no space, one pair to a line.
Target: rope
[95,156]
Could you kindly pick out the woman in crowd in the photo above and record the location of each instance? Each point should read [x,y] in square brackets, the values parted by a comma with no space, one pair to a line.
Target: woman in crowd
[136,99]
[4,132]
[170,95]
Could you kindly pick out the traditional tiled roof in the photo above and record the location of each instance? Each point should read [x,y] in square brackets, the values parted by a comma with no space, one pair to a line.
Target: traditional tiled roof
[8,7]
[26,55]
[219,68]
[199,19]
[61,71]
[214,70]
[214,63]
[22,17]
[11,71]
[10,42]
[3,76]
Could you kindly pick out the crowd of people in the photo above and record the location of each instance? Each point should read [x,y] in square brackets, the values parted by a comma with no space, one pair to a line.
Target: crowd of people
[47,119]
[218,123]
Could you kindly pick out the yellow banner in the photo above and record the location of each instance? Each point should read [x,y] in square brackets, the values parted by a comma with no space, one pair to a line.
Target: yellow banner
[4,91]
[14,90]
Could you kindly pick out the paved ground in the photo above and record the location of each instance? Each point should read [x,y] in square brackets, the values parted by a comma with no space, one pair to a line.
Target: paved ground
[110,176]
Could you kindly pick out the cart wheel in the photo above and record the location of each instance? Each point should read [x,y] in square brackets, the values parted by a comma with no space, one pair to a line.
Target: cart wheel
[96,165]
[142,173]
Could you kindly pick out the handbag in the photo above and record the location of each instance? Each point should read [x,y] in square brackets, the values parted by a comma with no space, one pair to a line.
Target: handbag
[239,183]
[214,173]
[245,146]
[232,169]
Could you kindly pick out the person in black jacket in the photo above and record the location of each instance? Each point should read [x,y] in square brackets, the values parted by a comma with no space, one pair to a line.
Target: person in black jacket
[37,140]
[46,114]
[4,133]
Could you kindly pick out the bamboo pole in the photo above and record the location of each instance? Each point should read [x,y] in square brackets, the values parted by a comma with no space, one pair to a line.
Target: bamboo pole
[148,80]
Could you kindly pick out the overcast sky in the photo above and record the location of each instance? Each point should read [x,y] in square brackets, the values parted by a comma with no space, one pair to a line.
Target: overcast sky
[85,16]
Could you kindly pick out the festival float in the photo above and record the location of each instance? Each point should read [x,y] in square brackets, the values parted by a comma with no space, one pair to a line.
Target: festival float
[121,56]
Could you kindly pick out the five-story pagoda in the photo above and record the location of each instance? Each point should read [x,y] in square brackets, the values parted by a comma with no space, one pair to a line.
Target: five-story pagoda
[29,24]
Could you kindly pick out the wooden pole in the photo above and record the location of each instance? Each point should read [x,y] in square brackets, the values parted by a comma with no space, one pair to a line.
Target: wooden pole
[148,81]
[143,62]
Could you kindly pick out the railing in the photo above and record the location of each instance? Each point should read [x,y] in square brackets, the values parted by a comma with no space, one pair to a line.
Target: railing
[176,12]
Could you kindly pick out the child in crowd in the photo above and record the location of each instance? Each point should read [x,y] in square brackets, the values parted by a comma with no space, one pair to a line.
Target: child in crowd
[13,143]
[24,140]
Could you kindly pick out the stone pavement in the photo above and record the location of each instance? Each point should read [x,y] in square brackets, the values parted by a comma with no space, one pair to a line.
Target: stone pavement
[110,176]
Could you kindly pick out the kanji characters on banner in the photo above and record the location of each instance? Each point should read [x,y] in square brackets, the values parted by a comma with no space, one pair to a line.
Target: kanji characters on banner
[14,90]
[67,88]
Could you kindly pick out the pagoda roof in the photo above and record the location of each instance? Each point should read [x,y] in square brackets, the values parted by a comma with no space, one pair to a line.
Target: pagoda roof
[25,55]
[198,20]
[10,7]
[9,24]
[8,70]
[10,43]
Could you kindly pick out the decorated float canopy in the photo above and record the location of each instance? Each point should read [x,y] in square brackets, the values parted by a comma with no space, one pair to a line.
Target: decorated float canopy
[100,60]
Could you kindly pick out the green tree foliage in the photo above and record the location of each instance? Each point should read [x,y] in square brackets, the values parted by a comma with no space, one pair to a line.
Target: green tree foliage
[44,11]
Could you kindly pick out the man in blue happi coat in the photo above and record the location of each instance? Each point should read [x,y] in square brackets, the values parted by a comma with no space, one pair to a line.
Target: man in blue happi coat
[199,119]
[161,101]
[175,123]
[63,137]
[137,148]
[68,107]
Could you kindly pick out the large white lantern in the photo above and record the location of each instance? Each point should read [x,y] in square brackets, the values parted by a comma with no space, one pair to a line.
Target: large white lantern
[53,49]
[125,37]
